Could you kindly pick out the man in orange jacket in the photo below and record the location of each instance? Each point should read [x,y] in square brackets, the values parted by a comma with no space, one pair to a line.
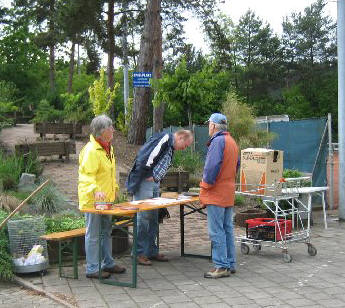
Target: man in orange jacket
[217,193]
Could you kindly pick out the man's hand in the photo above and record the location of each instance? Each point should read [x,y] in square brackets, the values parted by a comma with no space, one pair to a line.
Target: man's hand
[150,179]
[100,196]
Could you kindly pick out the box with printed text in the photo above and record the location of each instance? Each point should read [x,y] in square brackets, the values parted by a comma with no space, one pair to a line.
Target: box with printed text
[261,171]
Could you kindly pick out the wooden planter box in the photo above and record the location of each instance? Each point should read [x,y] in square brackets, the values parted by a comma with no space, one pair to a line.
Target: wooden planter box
[61,148]
[58,128]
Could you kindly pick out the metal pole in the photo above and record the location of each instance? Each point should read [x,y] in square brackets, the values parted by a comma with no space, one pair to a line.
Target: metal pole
[330,163]
[341,104]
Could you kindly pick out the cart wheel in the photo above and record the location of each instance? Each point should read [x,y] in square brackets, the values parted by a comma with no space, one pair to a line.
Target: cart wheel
[256,247]
[287,258]
[244,249]
[312,250]
[43,273]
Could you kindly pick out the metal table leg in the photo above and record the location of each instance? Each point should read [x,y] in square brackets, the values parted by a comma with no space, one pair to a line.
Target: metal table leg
[133,283]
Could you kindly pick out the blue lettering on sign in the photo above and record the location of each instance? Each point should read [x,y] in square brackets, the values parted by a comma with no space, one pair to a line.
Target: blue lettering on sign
[141,79]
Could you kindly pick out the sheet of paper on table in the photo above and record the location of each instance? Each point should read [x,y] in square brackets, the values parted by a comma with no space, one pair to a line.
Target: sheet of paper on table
[161,201]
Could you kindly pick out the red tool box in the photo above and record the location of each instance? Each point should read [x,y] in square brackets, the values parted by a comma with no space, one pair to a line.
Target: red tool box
[267,229]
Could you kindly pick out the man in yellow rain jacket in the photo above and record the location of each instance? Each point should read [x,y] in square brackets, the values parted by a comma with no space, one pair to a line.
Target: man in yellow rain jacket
[97,182]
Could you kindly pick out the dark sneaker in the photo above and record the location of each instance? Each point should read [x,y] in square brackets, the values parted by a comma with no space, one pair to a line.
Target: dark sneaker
[160,257]
[115,269]
[232,270]
[143,260]
[217,273]
[104,275]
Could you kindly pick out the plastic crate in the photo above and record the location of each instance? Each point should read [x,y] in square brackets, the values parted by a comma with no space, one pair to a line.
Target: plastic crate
[267,229]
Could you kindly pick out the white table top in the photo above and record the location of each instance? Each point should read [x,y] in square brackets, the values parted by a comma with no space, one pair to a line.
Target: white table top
[304,190]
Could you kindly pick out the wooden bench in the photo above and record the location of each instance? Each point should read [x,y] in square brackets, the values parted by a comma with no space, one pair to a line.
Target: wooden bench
[61,148]
[68,240]
[58,128]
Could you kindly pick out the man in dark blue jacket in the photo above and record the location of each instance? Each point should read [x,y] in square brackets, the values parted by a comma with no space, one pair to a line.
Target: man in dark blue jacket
[150,166]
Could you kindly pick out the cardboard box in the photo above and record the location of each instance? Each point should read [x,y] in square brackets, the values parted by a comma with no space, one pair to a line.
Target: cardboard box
[261,170]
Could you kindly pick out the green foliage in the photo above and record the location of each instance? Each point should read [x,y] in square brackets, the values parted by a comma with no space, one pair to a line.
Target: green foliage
[77,107]
[6,271]
[63,223]
[122,122]
[187,161]
[12,166]
[10,170]
[190,96]
[101,96]
[239,200]
[242,124]
[291,173]
[46,113]
[46,200]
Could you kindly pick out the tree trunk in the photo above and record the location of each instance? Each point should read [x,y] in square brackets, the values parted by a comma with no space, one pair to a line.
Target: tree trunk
[52,68]
[158,112]
[137,129]
[71,69]
[125,62]
[111,49]
[52,49]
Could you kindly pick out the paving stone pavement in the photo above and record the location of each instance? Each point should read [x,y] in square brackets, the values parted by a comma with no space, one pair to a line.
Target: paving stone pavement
[263,279]
[14,296]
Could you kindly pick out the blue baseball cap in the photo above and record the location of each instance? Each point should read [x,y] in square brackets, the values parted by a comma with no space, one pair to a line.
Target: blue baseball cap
[217,118]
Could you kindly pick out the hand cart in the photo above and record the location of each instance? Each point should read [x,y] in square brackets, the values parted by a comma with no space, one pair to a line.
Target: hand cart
[285,227]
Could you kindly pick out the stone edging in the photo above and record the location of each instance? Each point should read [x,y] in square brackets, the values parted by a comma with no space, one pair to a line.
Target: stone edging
[31,286]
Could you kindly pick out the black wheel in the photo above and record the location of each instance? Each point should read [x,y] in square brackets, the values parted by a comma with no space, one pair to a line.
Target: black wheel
[244,248]
[256,247]
[287,258]
[312,251]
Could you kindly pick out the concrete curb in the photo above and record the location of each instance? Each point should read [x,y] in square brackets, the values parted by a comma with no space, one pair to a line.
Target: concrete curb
[31,286]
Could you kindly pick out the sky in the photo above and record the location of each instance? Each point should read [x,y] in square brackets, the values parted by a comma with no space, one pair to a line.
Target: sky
[271,11]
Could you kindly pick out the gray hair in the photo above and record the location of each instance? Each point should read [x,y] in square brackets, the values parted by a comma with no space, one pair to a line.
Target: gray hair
[221,126]
[99,124]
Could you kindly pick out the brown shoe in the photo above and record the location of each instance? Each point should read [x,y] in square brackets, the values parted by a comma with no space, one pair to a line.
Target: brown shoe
[115,269]
[104,275]
[143,260]
[160,257]
[217,273]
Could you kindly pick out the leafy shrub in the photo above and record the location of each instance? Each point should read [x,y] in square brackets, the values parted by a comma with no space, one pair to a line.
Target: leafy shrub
[6,270]
[77,107]
[101,96]
[187,161]
[63,223]
[10,170]
[242,123]
[122,121]
[46,113]
[12,166]
[46,200]
[291,173]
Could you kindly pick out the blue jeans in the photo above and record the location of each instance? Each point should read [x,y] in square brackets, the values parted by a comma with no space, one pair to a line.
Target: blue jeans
[92,240]
[221,232]
[147,221]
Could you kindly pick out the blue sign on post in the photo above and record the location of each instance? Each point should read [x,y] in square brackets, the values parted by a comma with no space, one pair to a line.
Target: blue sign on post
[141,79]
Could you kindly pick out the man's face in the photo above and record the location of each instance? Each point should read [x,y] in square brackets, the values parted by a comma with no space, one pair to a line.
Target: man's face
[211,128]
[182,142]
